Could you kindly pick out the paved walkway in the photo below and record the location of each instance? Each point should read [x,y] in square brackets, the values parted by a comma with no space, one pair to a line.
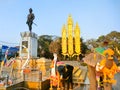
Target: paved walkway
[84,86]
[117,85]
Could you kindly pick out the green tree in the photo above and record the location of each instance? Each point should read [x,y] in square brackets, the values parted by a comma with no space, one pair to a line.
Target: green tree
[113,38]
[84,48]
[114,41]
[43,46]
[92,43]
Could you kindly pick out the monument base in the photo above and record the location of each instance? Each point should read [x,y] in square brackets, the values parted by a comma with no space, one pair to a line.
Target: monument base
[28,44]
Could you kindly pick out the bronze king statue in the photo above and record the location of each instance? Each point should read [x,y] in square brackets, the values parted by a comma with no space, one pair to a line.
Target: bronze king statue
[30,19]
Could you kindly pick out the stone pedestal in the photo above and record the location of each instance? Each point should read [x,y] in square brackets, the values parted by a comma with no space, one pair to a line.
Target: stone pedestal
[28,44]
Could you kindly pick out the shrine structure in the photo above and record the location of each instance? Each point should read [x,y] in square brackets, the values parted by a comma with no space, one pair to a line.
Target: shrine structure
[71,44]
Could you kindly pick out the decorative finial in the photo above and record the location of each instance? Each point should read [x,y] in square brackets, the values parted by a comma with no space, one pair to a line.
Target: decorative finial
[70,21]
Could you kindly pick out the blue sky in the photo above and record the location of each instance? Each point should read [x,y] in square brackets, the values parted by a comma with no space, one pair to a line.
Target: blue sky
[95,17]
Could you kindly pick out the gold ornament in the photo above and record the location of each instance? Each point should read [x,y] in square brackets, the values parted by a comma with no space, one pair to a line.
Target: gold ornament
[71,47]
[64,41]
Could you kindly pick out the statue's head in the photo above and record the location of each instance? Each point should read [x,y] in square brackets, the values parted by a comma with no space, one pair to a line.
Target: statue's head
[30,10]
